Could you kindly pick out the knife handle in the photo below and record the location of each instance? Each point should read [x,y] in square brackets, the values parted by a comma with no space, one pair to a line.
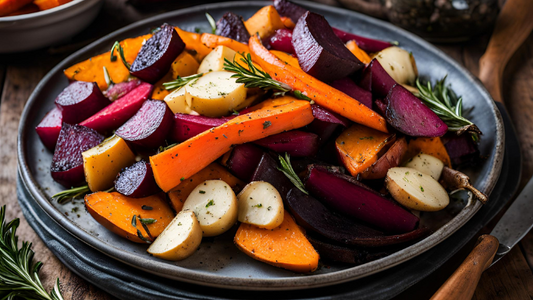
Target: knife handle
[462,284]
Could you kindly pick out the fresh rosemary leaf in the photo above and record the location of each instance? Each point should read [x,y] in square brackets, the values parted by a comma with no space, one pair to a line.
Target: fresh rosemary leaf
[73,193]
[139,233]
[180,81]
[286,168]
[147,220]
[120,50]
[19,275]
[299,95]
[107,78]
[212,23]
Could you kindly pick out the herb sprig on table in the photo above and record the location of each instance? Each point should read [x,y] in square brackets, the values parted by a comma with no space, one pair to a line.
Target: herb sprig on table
[19,274]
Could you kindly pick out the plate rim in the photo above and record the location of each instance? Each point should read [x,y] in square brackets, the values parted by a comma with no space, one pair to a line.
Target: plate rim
[281,283]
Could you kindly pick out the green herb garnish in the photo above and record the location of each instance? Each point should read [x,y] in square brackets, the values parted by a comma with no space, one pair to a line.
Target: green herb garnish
[180,81]
[210,203]
[267,124]
[107,78]
[120,50]
[139,233]
[73,193]
[298,94]
[286,168]
[212,23]
[147,220]
[258,205]
[146,207]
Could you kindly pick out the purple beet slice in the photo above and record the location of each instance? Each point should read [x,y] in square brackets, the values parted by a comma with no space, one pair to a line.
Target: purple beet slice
[149,126]
[289,9]
[345,254]
[408,114]
[282,41]
[347,86]
[157,54]
[49,128]
[243,161]
[80,100]
[376,80]
[320,52]
[366,44]
[323,129]
[137,181]
[120,111]
[358,201]
[295,142]
[187,126]
[461,149]
[120,89]
[267,170]
[67,162]
[323,114]
[232,26]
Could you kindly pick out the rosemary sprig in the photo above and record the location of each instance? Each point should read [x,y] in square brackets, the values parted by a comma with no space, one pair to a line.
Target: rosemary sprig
[212,23]
[148,240]
[253,77]
[19,275]
[286,168]
[180,81]
[445,103]
[120,50]
[73,193]
[107,78]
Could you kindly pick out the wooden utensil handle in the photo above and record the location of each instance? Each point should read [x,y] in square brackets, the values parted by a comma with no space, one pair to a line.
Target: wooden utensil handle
[462,284]
[513,26]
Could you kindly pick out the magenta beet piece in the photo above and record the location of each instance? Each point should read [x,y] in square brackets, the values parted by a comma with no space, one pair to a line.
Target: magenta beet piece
[296,143]
[366,44]
[232,26]
[380,106]
[461,149]
[67,162]
[120,111]
[243,161]
[187,126]
[137,181]
[325,115]
[267,170]
[149,126]
[320,52]
[282,41]
[357,200]
[376,80]
[289,9]
[80,100]
[120,89]
[323,129]
[157,54]
[49,128]
[347,86]
[408,114]
[331,251]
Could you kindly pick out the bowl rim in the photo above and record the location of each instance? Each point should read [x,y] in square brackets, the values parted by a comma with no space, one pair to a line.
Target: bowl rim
[43,13]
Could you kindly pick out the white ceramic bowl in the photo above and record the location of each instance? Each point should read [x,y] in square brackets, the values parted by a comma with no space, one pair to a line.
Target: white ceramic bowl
[48,27]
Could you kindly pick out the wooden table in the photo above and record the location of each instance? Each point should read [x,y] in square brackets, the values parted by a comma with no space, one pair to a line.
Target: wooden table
[19,74]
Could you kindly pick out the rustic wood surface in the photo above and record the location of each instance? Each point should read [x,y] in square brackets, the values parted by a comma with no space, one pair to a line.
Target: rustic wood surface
[511,278]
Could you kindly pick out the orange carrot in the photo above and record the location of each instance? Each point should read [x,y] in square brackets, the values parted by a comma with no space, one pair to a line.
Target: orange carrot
[359,147]
[264,22]
[315,89]
[115,212]
[213,171]
[193,43]
[9,6]
[178,163]
[288,22]
[285,246]
[91,70]
[430,146]
[211,41]
[27,9]
[287,58]
[358,52]
[47,4]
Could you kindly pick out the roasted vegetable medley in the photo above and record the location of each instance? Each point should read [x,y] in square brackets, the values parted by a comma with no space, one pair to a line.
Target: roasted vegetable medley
[314,142]
[22,7]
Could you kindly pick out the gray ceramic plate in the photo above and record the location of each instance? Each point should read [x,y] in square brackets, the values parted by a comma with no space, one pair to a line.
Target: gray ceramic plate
[218,262]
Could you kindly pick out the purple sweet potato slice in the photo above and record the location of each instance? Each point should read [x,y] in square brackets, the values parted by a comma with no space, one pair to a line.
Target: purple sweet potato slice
[366,44]
[409,115]
[331,251]
[326,115]
[267,170]
[295,142]
[137,181]
[187,126]
[357,200]
[80,100]
[67,162]
[320,52]
[120,89]
[376,80]
[390,159]
[149,126]
[380,106]
[157,54]
[347,86]
[49,128]
[120,111]
[324,130]
[289,9]
[461,149]
[314,216]
[232,26]
[282,41]
[243,161]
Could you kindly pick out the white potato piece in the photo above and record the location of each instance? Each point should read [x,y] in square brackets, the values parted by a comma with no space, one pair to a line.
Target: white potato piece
[177,101]
[399,64]
[260,204]
[214,61]
[426,164]
[416,190]
[215,94]
[180,239]
[215,206]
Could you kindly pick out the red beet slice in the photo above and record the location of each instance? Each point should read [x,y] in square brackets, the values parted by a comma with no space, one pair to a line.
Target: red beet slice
[408,114]
[380,106]
[267,170]
[49,128]
[357,200]
[67,162]
[350,255]
[120,111]
[282,41]
[461,149]
[296,143]
[323,129]
[232,26]
[157,54]
[243,161]
[80,100]
[137,181]
[347,86]
[120,89]
[376,80]
[320,52]
[326,115]
[149,126]
[289,9]
[187,126]
[366,44]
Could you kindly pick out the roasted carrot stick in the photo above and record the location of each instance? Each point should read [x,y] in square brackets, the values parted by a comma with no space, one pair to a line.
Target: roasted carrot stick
[9,6]
[212,41]
[315,89]
[179,163]
[47,4]
[193,43]
[358,52]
